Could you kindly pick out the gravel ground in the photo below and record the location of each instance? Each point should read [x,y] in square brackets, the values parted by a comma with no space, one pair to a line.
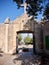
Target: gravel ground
[22,58]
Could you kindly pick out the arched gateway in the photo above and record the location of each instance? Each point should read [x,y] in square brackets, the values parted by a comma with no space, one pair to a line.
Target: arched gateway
[10,29]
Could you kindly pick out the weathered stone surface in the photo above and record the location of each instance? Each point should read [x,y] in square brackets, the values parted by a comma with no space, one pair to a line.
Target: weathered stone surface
[8,31]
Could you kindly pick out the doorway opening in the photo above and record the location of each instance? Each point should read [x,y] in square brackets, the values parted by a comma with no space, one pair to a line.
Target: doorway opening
[25,41]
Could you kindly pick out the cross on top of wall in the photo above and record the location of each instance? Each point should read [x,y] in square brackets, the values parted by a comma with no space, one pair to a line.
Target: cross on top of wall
[24,5]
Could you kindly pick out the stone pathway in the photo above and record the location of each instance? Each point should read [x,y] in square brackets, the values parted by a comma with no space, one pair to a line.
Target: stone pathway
[22,58]
[4,58]
[25,59]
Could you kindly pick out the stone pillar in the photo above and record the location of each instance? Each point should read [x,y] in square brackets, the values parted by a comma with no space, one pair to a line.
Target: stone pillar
[38,38]
[16,44]
[33,29]
[6,34]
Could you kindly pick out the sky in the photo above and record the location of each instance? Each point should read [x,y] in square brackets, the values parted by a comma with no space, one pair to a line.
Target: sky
[25,34]
[9,9]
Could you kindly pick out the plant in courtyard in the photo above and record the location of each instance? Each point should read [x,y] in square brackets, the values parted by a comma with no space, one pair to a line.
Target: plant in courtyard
[28,40]
[31,40]
[19,38]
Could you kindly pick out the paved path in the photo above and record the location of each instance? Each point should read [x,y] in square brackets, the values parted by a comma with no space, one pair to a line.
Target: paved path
[22,58]
[4,58]
[19,59]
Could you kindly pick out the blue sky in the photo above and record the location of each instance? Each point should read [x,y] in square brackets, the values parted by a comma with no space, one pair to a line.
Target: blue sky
[9,9]
[25,34]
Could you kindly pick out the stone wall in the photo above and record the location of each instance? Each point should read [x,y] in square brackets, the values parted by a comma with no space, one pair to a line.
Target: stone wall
[9,30]
[10,37]
[38,37]
[8,33]
[46,33]
[2,36]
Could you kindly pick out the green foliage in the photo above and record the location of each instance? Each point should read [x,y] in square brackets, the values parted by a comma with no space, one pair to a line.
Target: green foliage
[46,11]
[28,40]
[33,7]
[19,38]
[31,40]
[19,2]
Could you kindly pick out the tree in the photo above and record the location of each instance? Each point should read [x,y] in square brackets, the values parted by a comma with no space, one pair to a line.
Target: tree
[31,40]
[19,38]
[33,6]
[28,40]
[46,11]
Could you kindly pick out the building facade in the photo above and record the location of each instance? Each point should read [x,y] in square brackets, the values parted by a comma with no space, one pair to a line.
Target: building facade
[9,29]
